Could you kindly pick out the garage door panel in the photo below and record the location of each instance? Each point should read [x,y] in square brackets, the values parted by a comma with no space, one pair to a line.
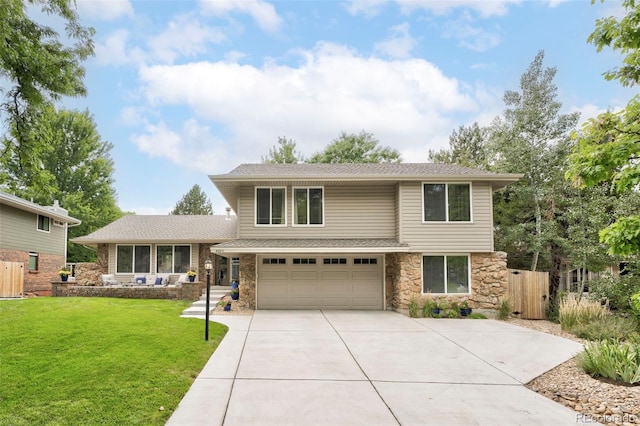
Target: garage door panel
[273,275]
[365,275]
[304,275]
[334,275]
[304,289]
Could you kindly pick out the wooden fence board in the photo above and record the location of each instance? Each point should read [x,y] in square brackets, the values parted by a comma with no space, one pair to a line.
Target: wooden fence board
[528,293]
[11,279]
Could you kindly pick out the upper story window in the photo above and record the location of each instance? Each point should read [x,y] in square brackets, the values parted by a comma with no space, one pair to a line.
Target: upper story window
[43,223]
[446,202]
[271,206]
[308,206]
[173,259]
[133,259]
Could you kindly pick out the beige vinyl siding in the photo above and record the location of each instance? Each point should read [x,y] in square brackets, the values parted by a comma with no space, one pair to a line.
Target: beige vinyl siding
[446,237]
[195,248]
[349,212]
[18,231]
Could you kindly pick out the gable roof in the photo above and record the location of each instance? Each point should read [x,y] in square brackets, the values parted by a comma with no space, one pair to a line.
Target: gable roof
[350,174]
[55,212]
[164,228]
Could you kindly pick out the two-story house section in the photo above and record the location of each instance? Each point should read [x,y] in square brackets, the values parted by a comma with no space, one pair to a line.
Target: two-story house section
[363,236]
[36,236]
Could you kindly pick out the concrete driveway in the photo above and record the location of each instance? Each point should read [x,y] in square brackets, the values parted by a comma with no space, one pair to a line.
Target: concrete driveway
[374,368]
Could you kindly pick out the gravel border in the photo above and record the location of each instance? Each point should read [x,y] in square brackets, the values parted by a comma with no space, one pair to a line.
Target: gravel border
[594,400]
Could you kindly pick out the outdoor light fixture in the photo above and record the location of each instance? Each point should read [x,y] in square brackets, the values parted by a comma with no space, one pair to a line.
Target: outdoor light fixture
[207,266]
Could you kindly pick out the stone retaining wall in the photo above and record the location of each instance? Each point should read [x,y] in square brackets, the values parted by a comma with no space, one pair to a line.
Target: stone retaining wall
[187,291]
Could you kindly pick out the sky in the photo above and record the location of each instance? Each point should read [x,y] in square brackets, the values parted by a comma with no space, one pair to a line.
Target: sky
[187,89]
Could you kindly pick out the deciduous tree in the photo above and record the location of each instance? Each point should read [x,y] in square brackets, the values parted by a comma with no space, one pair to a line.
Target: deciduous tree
[285,152]
[352,148]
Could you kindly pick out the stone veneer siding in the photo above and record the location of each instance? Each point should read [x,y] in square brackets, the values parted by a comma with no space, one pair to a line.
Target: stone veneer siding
[404,280]
[247,281]
[187,291]
[36,282]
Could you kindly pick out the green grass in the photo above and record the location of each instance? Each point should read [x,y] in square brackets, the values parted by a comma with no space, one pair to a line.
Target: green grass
[90,361]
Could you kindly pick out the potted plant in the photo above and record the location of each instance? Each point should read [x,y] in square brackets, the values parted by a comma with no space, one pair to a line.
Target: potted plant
[235,294]
[64,273]
[191,274]
[465,310]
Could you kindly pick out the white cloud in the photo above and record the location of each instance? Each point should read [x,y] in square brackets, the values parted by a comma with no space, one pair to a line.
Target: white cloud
[116,50]
[184,36]
[399,44]
[485,8]
[105,10]
[469,35]
[262,12]
[407,104]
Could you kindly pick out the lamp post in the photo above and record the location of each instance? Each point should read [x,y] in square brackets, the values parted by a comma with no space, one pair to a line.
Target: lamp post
[207,265]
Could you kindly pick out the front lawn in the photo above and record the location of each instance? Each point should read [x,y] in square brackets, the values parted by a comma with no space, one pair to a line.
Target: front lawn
[97,360]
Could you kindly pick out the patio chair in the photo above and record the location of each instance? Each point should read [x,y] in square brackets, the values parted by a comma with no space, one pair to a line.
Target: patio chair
[108,279]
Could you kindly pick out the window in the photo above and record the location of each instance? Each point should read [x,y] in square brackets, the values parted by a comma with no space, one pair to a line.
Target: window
[365,261]
[270,206]
[173,259]
[43,223]
[33,261]
[133,259]
[274,261]
[304,261]
[446,202]
[308,206]
[445,274]
[334,261]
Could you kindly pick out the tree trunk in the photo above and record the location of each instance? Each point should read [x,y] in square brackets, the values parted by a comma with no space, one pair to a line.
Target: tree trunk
[536,254]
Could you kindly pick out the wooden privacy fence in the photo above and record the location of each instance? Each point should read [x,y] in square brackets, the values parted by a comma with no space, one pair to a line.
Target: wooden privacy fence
[11,279]
[528,293]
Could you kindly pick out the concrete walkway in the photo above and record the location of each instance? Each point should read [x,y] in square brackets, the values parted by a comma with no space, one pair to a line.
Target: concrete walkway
[374,368]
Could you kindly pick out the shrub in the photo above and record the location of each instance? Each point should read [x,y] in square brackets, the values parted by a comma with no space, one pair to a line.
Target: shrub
[612,360]
[427,309]
[610,328]
[574,311]
[476,315]
[504,310]
[635,304]
[413,308]
[616,290]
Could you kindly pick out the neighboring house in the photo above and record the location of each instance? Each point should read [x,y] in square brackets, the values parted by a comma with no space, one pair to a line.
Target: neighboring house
[135,246]
[36,236]
[363,236]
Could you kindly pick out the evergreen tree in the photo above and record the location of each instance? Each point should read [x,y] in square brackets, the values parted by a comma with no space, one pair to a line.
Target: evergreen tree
[194,202]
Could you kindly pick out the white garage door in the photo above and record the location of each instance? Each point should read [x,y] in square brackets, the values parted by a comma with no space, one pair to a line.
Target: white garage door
[320,282]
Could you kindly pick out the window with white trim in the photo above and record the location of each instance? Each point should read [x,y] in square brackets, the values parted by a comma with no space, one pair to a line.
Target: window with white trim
[271,206]
[43,223]
[308,206]
[133,259]
[446,202]
[445,274]
[174,259]
[33,261]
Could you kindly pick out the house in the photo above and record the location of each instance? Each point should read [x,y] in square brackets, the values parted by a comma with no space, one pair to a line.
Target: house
[134,246]
[363,236]
[36,236]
